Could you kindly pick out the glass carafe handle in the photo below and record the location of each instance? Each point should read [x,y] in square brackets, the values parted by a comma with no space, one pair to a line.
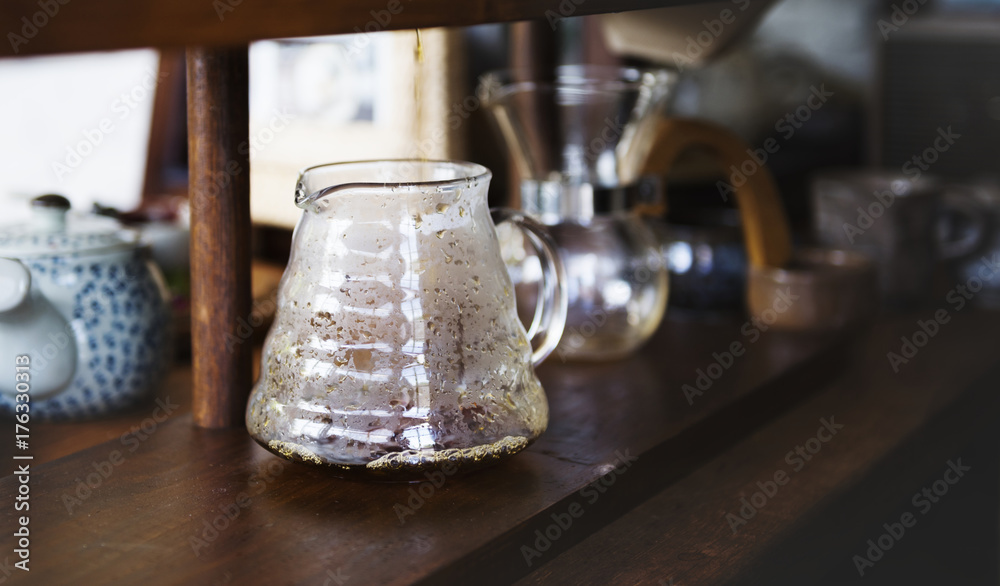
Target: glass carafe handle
[550,313]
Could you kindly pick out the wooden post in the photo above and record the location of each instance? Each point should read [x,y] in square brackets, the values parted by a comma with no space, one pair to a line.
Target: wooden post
[218,133]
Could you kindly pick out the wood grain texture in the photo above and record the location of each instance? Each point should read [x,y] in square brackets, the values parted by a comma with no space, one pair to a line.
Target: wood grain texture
[150,521]
[218,131]
[98,25]
[681,535]
[53,440]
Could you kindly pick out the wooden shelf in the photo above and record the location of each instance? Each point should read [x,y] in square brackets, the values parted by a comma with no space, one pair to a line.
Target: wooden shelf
[147,517]
[298,524]
[52,440]
[898,428]
[138,525]
[99,25]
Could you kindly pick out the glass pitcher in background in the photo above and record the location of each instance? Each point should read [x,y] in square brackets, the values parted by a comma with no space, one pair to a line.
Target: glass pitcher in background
[578,142]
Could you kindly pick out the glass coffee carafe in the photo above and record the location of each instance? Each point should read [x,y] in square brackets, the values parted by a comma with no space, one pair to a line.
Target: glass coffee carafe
[577,142]
[397,348]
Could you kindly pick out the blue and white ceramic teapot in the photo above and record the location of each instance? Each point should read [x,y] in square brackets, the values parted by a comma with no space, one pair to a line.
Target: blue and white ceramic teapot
[81,300]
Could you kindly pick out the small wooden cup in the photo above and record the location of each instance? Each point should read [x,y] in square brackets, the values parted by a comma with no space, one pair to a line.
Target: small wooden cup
[820,290]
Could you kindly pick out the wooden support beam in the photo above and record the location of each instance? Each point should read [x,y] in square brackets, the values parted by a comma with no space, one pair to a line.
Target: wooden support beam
[218,125]
[100,25]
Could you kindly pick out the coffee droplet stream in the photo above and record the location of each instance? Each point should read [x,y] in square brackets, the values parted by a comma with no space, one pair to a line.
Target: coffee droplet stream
[418,75]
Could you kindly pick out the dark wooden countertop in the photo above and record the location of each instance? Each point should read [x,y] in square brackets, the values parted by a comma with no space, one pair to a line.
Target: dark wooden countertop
[660,518]
[897,429]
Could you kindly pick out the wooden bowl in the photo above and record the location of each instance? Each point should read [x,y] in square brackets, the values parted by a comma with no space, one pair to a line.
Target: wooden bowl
[820,289]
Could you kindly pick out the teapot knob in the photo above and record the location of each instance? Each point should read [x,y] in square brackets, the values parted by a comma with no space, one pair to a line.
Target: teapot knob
[15,283]
[49,212]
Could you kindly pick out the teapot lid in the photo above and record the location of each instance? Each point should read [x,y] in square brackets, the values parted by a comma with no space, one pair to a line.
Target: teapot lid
[52,229]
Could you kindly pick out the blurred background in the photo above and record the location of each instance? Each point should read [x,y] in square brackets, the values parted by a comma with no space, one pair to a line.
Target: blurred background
[864,85]
[894,78]
[885,80]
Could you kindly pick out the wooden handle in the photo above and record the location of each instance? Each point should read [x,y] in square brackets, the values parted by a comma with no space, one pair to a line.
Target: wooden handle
[765,226]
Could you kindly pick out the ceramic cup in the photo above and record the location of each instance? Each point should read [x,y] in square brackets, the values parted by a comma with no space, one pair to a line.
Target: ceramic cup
[897,221]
